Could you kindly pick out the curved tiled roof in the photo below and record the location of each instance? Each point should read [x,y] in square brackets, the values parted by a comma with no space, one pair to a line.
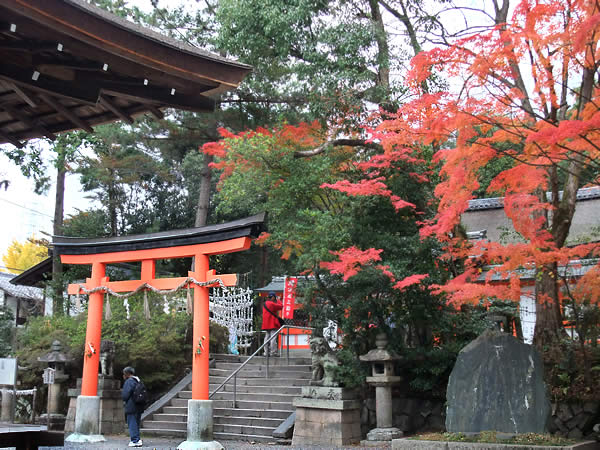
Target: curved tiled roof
[26,292]
[498,202]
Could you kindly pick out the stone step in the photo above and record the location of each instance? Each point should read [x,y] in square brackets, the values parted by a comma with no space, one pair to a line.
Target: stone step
[244,404]
[222,436]
[178,410]
[302,360]
[162,431]
[260,381]
[292,390]
[240,412]
[274,372]
[276,364]
[248,421]
[250,396]
[164,424]
[165,417]
[243,430]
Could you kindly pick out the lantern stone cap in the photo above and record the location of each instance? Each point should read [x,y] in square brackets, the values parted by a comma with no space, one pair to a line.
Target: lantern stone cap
[377,354]
[55,355]
[381,353]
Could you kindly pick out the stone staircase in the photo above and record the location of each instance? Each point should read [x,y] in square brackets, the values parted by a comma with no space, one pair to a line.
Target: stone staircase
[262,403]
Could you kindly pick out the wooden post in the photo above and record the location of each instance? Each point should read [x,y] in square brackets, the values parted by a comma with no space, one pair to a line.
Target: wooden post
[201,323]
[91,359]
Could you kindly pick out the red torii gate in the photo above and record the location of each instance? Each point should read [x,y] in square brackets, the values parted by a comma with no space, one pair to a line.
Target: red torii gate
[199,243]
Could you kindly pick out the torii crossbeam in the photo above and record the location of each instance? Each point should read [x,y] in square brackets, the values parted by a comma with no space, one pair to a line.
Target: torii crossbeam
[199,243]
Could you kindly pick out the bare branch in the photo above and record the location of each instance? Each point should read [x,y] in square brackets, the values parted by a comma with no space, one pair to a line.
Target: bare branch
[337,143]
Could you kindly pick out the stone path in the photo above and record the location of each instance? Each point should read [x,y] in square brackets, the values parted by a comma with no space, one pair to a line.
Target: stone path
[160,443]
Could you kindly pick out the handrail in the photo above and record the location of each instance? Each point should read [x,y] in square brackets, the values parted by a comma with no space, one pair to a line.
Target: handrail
[235,372]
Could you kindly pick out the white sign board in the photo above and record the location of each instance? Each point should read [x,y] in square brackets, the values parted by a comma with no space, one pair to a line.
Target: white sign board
[8,371]
[48,375]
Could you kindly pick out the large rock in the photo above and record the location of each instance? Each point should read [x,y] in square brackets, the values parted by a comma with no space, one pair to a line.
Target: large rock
[497,384]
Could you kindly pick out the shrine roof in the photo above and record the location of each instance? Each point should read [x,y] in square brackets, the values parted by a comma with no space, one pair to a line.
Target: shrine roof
[69,65]
[247,227]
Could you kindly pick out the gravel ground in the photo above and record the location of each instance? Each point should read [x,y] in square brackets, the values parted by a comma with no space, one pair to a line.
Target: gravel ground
[159,443]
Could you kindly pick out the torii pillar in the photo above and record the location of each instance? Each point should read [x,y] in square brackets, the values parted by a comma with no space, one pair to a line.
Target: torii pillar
[200,420]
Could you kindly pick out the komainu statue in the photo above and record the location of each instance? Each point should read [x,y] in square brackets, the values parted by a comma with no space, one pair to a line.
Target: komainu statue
[107,356]
[323,363]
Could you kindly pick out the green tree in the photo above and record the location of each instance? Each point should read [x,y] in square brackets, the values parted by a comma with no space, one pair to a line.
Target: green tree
[7,321]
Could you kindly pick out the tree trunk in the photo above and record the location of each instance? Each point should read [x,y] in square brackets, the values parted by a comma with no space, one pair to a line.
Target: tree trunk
[204,194]
[548,322]
[112,204]
[57,268]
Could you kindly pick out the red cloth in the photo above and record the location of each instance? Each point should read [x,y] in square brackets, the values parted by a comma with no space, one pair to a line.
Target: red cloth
[268,321]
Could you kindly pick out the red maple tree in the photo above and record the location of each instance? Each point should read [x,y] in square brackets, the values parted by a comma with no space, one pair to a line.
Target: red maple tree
[524,89]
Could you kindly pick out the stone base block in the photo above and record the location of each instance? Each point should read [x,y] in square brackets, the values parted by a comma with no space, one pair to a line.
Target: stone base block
[326,422]
[200,422]
[87,417]
[384,434]
[111,417]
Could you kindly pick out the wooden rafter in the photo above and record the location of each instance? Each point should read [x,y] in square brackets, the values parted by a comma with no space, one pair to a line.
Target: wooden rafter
[22,95]
[66,113]
[104,101]
[12,140]
[156,112]
[30,122]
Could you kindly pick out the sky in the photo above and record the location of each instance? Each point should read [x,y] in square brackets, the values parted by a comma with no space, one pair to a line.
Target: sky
[26,214]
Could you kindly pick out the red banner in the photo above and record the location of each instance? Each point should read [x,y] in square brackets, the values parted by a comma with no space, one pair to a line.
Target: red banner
[289,297]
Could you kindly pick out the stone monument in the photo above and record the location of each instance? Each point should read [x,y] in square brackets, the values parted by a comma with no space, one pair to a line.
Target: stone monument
[382,377]
[497,384]
[326,414]
[56,361]
[112,418]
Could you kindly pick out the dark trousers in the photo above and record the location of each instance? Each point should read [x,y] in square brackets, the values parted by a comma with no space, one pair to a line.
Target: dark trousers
[133,423]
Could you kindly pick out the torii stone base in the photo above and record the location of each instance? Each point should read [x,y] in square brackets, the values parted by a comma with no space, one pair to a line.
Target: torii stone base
[200,427]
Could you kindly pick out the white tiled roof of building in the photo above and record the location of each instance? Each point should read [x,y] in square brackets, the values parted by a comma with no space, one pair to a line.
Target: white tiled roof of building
[26,292]
[498,202]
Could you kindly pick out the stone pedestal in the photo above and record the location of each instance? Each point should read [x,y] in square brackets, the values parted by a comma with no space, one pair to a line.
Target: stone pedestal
[8,405]
[200,427]
[327,416]
[111,418]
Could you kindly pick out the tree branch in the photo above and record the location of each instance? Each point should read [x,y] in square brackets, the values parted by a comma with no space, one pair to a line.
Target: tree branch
[337,143]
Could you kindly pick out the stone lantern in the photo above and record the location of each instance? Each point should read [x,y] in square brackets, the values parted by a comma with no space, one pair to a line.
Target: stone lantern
[382,377]
[56,362]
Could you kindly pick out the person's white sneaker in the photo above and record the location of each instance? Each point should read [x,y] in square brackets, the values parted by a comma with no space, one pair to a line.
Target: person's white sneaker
[131,444]
[138,443]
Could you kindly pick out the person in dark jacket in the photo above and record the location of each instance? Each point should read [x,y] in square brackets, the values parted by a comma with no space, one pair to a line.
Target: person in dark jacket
[270,323]
[133,415]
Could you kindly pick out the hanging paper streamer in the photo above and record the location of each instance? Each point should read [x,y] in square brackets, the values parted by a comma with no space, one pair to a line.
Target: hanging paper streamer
[126,304]
[233,308]
[190,304]
[165,305]
[78,302]
[146,306]
[107,311]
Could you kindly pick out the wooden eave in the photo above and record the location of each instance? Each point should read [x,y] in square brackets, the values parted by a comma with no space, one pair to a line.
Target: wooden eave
[69,65]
